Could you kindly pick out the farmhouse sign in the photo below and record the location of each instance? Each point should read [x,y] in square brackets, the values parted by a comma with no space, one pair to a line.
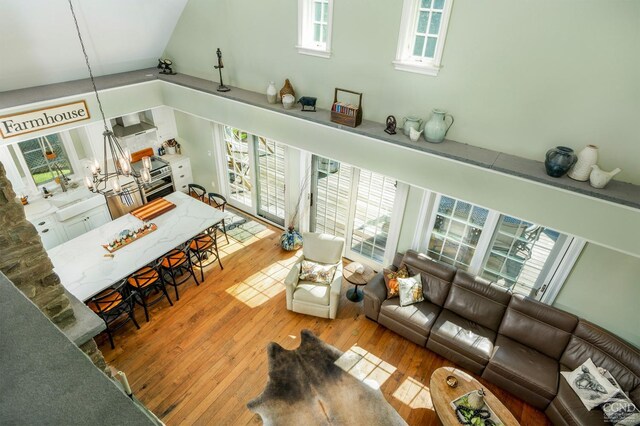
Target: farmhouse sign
[40,119]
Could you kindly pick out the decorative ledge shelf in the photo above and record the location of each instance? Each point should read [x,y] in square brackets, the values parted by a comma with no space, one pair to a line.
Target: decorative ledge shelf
[622,193]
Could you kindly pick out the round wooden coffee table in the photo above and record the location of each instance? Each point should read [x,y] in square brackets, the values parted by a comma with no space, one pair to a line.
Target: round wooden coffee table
[357,279]
[442,395]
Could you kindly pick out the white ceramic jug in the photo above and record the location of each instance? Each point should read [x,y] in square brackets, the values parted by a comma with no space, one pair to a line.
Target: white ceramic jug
[586,158]
[599,178]
[414,134]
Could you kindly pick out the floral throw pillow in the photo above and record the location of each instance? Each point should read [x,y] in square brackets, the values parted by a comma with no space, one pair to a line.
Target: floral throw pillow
[410,290]
[317,272]
[391,279]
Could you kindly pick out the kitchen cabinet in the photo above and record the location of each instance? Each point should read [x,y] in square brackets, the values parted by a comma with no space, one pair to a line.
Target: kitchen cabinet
[49,231]
[182,175]
[85,222]
[165,121]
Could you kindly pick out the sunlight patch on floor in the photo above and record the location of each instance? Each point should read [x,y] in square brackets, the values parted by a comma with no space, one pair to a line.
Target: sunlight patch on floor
[365,366]
[261,286]
[414,394]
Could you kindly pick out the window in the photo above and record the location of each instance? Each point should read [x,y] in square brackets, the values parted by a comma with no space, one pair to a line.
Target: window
[314,27]
[45,158]
[422,32]
[239,173]
[456,231]
[519,255]
[270,179]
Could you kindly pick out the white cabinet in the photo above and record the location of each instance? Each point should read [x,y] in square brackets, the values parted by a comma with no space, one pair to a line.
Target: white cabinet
[182,175]
[94,133]
[85,222]
[165,121]
[49,231]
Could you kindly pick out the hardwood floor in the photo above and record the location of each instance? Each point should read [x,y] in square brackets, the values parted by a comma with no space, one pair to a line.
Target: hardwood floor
[202,360]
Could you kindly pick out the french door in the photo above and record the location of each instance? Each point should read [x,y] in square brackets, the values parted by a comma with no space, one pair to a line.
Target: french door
[254,178]
[361,206]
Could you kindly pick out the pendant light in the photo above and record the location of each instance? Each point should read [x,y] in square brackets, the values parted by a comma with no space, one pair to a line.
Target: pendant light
[105,180]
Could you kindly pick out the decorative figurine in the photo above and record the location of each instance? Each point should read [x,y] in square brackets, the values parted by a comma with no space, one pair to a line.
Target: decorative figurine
[391,125]
[287,89]
[164,65]
[288,101]
[221,87]
[308,101]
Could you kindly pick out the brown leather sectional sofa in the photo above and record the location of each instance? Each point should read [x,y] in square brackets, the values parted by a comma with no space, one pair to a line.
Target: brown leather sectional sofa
[515,342]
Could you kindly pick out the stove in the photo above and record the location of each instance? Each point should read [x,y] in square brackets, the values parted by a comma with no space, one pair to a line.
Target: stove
[161,180]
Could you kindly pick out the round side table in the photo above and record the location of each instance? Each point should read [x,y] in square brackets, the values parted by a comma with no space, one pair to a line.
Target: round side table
[357,279]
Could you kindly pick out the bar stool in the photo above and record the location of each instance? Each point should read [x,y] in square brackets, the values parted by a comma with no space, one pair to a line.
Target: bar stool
[204,247]
[177,263]
[146,280]
[111,305]
[197,191]
[219,202]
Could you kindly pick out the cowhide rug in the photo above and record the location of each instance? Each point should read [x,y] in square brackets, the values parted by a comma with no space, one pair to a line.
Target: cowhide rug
[306,387]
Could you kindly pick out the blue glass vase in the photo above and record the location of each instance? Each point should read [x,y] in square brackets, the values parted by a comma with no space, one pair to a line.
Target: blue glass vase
[291,240]
[559,160]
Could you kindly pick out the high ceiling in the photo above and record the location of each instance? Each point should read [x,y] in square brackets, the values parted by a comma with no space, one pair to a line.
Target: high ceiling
[39,43]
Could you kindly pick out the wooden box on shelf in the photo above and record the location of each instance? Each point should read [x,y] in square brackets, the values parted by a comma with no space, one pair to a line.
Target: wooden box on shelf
[347,114]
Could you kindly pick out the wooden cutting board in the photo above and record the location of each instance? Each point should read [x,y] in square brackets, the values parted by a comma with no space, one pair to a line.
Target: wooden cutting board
[137,156]
[153,209]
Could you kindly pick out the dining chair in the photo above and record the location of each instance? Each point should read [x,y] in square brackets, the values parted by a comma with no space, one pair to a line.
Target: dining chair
[177,263]
[219,202]
[115,307]
[204,249]
[197,191]
[146,280]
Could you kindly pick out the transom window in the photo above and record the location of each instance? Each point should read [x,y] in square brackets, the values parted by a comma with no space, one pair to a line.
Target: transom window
[314,27]
[45,158]
[519,255]
[422,33]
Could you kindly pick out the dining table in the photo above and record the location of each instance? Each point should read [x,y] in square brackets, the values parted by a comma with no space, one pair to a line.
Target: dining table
[86,268]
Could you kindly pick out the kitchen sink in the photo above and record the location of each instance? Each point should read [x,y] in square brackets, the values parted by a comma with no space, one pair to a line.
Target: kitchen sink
[76,202]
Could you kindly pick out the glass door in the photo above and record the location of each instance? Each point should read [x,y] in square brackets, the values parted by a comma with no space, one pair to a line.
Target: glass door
[359,205]
[238,168]
[330,191]
[270,185]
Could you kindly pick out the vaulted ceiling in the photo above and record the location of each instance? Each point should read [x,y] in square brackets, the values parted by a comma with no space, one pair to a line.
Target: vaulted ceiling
[39,44]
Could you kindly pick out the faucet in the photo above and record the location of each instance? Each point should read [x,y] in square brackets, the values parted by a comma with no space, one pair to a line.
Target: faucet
[63,180]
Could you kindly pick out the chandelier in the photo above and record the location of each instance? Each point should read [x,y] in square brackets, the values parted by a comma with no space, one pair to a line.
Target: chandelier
[105,180]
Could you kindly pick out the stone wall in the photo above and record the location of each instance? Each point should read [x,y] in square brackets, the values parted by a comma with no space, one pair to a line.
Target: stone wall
[25,262]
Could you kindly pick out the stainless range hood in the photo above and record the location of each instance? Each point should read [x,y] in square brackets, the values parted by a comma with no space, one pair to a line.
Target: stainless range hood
[131,125]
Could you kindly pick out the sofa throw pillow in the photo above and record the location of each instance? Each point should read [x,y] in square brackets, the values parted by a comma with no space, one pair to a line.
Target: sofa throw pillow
[619,410]
[391,279]
[590,386]
[410,290]
[317,272]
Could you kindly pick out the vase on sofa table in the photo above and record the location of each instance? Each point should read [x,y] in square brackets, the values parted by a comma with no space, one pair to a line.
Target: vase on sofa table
[586,158]
[291,240]
[559,160]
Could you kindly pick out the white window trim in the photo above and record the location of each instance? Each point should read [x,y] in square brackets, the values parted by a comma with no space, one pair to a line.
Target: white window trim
[404,60]
[555,275]
[305,30]
[29,183]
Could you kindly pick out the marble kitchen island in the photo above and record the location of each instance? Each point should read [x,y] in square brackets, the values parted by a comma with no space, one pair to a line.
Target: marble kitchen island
[83,268]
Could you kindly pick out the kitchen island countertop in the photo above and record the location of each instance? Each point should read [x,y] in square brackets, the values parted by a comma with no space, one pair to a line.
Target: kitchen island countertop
[83,268]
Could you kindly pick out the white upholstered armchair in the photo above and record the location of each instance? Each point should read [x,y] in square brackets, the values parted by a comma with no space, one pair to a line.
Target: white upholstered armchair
[312,298]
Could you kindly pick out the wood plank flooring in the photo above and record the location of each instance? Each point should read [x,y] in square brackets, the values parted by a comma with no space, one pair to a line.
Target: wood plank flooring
[202,360]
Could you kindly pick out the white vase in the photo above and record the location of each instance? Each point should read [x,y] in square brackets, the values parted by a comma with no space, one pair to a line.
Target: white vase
[586,158]
[288,101]
[272,93]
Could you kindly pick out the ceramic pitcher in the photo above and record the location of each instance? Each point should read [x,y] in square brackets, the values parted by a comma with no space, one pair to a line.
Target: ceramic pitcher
[410,123]
[436,128]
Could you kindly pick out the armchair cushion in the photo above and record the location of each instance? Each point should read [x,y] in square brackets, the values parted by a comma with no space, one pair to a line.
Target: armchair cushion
[311,292]
[322,248]
[316,272]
